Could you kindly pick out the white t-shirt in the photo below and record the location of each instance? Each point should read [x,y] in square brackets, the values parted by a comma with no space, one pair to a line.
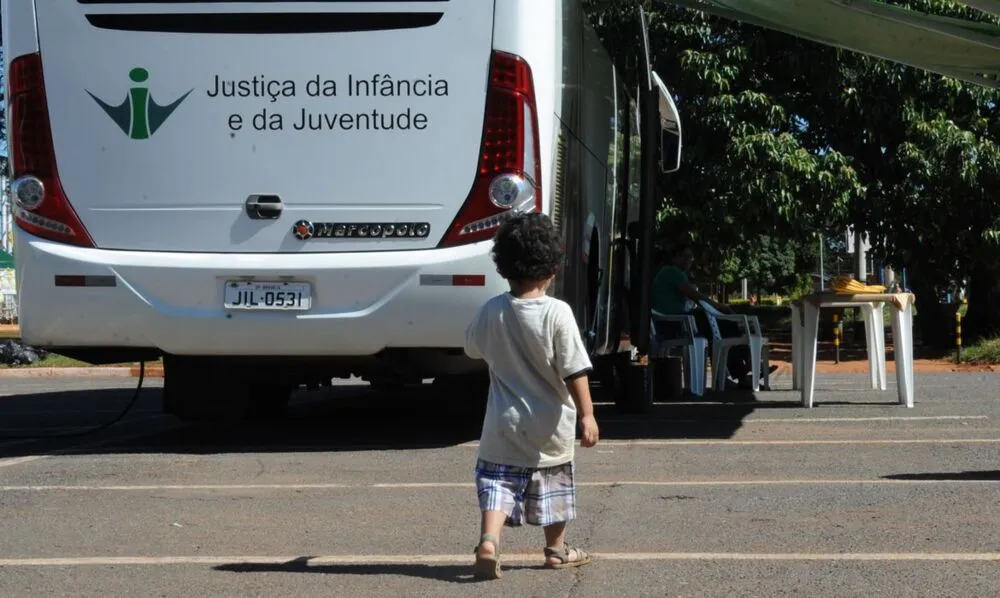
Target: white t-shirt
[531,346]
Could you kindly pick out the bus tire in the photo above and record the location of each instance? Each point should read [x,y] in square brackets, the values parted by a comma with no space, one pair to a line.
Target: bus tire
[267,401]
[185,395]
[197,391]
[462,392]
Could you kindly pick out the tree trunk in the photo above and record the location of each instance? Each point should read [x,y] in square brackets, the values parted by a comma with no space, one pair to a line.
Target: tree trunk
[983,318]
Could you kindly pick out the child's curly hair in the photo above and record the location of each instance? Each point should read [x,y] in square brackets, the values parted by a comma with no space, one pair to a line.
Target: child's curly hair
[527,247]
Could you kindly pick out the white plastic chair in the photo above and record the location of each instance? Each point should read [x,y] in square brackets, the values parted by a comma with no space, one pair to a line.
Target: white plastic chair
[695,348]
[752,337]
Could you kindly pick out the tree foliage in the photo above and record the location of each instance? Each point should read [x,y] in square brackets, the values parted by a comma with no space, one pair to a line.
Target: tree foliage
[785,138]
[748,184]
[925,150]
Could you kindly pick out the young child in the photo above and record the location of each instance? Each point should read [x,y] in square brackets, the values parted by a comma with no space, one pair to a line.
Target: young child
[538,387]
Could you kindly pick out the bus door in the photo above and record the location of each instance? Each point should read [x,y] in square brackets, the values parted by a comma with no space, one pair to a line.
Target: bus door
[660,127]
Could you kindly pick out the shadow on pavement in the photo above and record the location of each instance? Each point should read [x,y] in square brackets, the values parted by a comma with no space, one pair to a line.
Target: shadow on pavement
[448,573]
[342,418]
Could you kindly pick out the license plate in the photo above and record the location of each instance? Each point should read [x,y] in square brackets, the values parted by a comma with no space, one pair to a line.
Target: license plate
[268,296]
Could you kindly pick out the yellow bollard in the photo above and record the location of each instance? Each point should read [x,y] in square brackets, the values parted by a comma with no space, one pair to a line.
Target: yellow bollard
[836,337]
[958,336]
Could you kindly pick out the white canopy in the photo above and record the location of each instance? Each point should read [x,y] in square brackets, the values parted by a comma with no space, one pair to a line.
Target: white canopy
[956,48]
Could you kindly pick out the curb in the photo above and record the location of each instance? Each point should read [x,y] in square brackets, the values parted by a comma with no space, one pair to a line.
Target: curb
[861,367]
[95,372]
[152,371]
[92,372]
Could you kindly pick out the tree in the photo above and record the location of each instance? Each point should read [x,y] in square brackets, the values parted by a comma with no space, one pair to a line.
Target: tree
[924,148]
[785,138]
[749,189]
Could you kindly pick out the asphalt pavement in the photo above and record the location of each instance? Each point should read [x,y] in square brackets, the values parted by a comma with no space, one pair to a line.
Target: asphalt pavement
[370,494]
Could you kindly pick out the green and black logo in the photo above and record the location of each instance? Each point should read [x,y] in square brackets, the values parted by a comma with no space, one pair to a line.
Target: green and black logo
[139,116]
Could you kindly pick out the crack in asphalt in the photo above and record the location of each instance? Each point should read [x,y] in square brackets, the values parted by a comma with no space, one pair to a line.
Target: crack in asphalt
[604,506]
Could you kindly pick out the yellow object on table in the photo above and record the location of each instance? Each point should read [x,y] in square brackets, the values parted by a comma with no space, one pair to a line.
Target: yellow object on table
[848,286]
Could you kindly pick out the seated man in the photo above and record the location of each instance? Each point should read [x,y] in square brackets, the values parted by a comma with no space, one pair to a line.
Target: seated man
[672,294]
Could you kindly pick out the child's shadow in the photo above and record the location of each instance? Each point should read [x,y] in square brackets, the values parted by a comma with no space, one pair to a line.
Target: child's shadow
[449,573]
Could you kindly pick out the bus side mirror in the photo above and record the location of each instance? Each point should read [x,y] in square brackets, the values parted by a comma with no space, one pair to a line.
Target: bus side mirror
[670,128]
[670,151]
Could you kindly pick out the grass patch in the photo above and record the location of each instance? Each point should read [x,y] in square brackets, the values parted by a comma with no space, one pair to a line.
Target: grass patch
[770,316]
[54,360]
[985,352]
[51,361]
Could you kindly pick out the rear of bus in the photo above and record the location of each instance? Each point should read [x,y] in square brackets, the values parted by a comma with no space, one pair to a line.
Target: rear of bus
[266,179]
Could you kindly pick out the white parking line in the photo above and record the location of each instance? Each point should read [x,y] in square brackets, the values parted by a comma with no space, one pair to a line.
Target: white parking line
[899,441]
[724,442]
[404,559]
[453,485]
[305,448]
[763,420]
[19,460]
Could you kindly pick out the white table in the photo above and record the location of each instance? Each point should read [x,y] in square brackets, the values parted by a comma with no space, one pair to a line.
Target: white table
[805,333]
[872,313]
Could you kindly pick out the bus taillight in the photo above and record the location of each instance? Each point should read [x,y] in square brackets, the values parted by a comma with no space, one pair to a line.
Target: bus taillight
[509,177]
[41,206]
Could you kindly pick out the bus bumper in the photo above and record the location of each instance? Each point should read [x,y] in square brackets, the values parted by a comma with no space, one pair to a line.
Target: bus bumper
[362,303]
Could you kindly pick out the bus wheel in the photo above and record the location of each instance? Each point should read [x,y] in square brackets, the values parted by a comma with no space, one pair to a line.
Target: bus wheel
[478,382]
[387,383]
[464,391]
[195,390]
[268,400]
[188,386]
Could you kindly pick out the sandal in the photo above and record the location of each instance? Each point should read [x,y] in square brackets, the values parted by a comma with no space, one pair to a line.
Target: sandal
[487,567]
[563,554]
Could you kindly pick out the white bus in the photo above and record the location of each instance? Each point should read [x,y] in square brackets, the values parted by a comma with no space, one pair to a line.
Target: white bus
[275,193]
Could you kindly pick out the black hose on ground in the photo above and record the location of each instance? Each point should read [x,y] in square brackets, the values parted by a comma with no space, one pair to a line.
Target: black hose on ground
[135,397]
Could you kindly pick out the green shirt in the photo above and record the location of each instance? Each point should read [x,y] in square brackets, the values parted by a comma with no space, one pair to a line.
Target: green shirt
[667,295]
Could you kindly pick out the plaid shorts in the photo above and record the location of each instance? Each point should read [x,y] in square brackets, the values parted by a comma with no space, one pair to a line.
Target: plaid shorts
[538,496]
